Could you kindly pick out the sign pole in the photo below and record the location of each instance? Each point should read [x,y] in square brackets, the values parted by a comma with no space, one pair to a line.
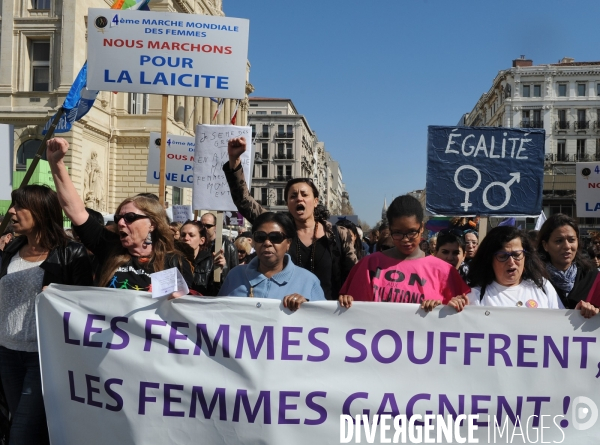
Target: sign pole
[218,245]
[163,149]
[483,226]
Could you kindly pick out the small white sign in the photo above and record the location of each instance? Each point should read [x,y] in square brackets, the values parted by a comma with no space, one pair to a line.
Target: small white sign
[167,282]
[180,160]
[6,160]
[211,191]
[588,189]
[167,53]
[182,213]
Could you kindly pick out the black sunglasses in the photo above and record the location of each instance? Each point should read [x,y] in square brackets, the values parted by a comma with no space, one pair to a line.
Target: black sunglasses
[129,217]
[209,226]
[274,237]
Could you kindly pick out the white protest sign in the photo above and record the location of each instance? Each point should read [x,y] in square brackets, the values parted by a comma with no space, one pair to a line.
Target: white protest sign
[587,183]
[182,213]
[167,53]
[6,160]
[211,191]
[180,160]
[117,364]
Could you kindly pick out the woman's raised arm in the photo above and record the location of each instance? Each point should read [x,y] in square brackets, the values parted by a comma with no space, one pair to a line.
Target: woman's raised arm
[69,199]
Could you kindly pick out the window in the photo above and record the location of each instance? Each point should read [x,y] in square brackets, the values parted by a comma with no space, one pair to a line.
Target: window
[40,65]
[580,149]
[40,4]
[561,150]
[537,91]
[289,151]
[280,172]
[526,120]
[261,112]
[581,121]
[562,89]
[598,89]
[280,153]
[177,193]
[264,171]
[562,119]
[253,130]
[254,105]
[280,131]
[581,89]
[138,103]
[526,90]
[290,131]
[280,200]
[537,119]
[28,150]
[288,172]
[275,112]
[263,196]
[265,151]
[265,131]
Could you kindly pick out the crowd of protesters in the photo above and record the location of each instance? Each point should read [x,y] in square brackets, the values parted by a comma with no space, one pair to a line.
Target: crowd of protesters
[295,256]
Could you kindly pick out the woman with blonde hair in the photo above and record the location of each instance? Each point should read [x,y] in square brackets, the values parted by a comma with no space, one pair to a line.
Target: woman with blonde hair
[143,243]
[244,248]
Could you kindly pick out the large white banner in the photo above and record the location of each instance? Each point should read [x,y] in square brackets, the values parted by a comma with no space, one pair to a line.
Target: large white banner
[587,183]
[167,53]
[121,368]
[7,147]
[180,160]
[211,191]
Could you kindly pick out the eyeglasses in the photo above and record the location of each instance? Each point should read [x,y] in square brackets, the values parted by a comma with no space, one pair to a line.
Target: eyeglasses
[399,236]
[274,237]
[209,226]
[129,217]
[503,256]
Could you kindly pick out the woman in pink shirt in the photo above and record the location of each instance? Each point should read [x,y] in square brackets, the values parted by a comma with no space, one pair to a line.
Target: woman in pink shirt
[403,274]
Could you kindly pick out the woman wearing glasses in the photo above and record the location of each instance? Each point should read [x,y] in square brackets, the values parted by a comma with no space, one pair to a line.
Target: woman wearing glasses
[403,274]
[272,274]
[570,273]
[143,243]
[316,245]
[507,272]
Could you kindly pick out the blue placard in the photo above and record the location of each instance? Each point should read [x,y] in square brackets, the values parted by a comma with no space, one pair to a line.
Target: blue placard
[487,171]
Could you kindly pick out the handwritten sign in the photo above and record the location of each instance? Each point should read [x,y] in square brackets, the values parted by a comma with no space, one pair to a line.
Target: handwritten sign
[211,191]
[486,171]
[588,189]
[182,213]
[180,160]
[167,282]
[167,53]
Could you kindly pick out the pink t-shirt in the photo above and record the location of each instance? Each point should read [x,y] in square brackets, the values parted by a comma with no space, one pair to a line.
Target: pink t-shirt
[378,277]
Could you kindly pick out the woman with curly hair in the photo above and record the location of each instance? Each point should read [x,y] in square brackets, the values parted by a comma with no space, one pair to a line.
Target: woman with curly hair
[323,249]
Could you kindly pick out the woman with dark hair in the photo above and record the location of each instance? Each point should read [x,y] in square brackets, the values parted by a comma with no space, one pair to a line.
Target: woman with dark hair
[42,254]
[316,245]
[594,249]
[571,274]
[272,274]
[450,247]
[403,274]
[356,238]
[507,272]
[143,243]
[193,233]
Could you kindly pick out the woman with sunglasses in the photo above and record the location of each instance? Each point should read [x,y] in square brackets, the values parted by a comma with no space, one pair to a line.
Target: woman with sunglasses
[143,243]
[594,249]
[507,272]
[272,274]
[316,245]
[403,274]
[571,274]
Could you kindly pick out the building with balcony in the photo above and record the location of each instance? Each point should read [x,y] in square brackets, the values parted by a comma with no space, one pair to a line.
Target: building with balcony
[42,48]
[562,98]
[286,147]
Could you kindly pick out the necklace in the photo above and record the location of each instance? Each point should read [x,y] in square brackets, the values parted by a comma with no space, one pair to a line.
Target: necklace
[312,250]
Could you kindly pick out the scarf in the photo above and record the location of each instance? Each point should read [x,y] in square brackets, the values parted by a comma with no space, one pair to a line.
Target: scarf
[563,280]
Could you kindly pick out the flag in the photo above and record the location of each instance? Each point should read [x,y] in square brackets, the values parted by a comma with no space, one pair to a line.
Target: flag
[141,5]
[219,107]
[78,102]
[540,221]
[234,116]
[508,222]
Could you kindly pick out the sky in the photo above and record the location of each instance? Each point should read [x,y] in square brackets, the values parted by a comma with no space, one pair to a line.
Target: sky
[370,76]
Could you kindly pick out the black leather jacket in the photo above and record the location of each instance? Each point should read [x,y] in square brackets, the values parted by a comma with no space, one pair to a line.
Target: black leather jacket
[203,268]
[65,265]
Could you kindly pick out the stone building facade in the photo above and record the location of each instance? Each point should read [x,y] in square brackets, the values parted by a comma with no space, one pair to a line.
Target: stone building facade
[562,98]
[288,148]
[42,48]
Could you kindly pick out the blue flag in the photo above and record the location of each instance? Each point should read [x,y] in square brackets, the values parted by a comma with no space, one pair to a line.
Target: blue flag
[508,222]
[77,103]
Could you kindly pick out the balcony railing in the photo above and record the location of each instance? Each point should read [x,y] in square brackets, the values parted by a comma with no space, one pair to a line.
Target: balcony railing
[532,124]
[281,202]
[280,156]
[562,125]
[582,125]
[284,135]
[262,135]
[573,157]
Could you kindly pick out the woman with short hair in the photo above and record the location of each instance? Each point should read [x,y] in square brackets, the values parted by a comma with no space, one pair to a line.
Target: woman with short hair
[41,255]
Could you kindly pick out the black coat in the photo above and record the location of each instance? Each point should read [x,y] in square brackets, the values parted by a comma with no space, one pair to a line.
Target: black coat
[203,268]
[581,288]
[65,265]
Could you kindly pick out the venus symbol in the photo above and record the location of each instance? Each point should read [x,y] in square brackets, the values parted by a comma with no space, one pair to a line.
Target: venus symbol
[467,191]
